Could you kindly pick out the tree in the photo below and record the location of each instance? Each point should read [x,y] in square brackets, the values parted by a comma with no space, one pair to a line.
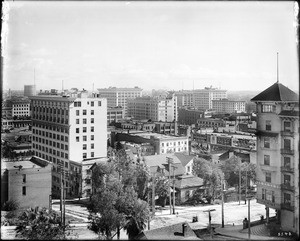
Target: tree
[40,224]
[115,203]
[211,174]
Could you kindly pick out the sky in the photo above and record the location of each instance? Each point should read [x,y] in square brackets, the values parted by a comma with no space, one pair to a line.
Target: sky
[153,45]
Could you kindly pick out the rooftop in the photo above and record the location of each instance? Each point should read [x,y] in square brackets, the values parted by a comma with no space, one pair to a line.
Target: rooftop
[277,92]
[187,181]
[34,162]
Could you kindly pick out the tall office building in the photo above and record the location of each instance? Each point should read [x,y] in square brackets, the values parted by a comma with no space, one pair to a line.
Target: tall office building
[67,130]
[119,96]
[154,108]
[278,154]
[200,98]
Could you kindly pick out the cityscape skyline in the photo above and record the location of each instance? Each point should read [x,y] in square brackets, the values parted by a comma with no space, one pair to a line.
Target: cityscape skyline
[157,45]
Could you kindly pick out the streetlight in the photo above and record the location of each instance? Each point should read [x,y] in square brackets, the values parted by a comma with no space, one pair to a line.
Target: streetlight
[249,231]
[209,220]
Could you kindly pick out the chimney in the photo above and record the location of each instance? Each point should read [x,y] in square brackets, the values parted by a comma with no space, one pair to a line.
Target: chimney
[184,225]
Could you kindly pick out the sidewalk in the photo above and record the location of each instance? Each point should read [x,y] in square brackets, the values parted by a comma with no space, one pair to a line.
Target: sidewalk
[240,233]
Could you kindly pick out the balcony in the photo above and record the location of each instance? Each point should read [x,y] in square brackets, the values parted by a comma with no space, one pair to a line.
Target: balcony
[287,206]
[287,169]
[287,187]
[287,151]
[287,133]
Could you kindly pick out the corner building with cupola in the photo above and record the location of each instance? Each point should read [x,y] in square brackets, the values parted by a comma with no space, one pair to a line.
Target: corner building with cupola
[278,154]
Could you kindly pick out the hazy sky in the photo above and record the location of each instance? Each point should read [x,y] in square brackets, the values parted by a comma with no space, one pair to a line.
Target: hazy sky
[171,45]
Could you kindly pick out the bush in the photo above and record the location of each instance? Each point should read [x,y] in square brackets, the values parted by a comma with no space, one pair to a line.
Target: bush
[10,205]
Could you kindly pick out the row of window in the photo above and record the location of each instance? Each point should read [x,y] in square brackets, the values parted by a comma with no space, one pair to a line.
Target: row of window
[286,143]
[84,112]
[49,103]
[60,129]
[286,126]
[173,150]
[48,135]
[84,129]
[47,110]
[50,157]
[78,103]
[174,143]
[84,121]
[84,138]
[286,161]
[270,196]
[60,146]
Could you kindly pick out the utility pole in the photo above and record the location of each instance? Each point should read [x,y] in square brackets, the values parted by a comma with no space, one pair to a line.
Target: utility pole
[209,220]
[222,203]
[153,195]
[61,192]
[170,199]
[249,231]
[246,187]
[174,188]
[240,180]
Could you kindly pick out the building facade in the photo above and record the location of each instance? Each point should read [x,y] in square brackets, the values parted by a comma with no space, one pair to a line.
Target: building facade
[200,98]
[154,108]
[278,154]
[18,106]
[27,182]
[119,96]
[228,106]
[189,116]
[68,128]
[115,114]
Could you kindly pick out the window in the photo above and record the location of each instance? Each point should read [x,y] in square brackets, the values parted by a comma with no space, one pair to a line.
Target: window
[287,144]
[92,129]
[84,155]
[84,121]
[66,164]
[92,137]
[287,198]
[24,178]
[267,160]
[77,112]
[263,193]
[84,129]
[77,138]
[268,177]
[92,154]
[287,180]
[92,146]
[268,125]
[92,112]
[273,197]
[266,142]
[92,120]
[84,138]
[287,161]
[99,103]
[77,130]
[77,121]
[84,112]
[84,146]
[287,126]
[268,108]
[92,103]
[188,169]
[24,191]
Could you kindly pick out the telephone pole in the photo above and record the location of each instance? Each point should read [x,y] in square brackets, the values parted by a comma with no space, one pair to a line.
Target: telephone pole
[153,194]
[240,180]
[222,203]
[170,198]
[174,188]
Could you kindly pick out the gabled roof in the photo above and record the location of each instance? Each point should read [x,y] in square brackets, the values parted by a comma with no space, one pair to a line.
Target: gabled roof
[185,159]
[188,181]
[277,92]
[172,232]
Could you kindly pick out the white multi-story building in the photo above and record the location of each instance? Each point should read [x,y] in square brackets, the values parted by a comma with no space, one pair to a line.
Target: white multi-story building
[228,106]
[154,108]
[68,129]
[119,96]
[200,98]
[18,107]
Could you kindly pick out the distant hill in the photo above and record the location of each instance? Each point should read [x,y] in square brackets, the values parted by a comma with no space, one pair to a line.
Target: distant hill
[245,95]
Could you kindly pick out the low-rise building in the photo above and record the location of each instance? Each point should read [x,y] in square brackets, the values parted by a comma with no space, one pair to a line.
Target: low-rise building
[27,182]
[115,114]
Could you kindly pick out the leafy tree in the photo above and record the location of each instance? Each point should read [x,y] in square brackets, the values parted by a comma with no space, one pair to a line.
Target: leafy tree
[119,146]
[115,203]
[41,224]
[161,189]
[211,174]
